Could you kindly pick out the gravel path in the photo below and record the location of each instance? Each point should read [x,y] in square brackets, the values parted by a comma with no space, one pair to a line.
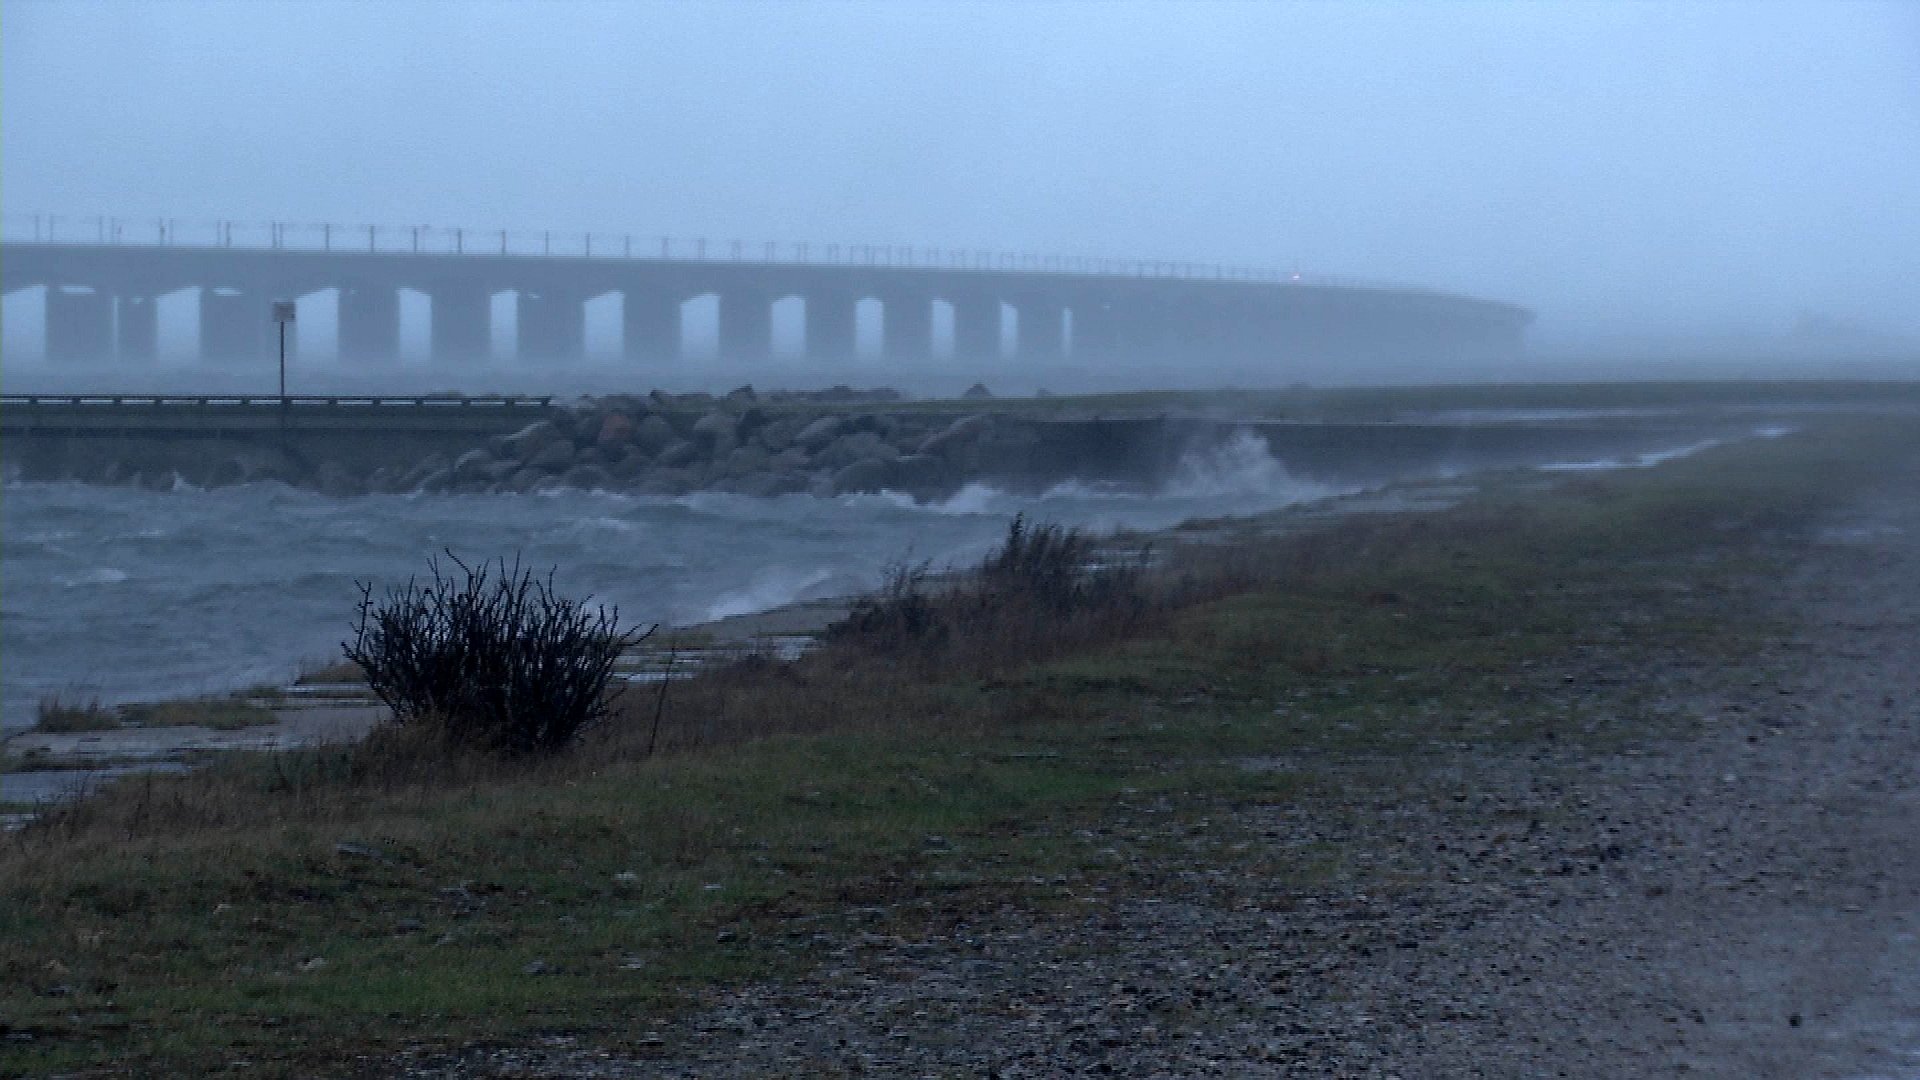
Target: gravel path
[1741,902]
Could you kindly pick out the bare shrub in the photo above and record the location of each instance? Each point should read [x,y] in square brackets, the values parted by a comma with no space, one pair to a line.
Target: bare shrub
[492,653]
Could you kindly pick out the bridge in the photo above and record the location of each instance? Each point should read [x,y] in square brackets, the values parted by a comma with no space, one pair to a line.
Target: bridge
[103,289]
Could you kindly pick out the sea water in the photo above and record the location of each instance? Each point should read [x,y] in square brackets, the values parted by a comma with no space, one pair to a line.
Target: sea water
[114,594]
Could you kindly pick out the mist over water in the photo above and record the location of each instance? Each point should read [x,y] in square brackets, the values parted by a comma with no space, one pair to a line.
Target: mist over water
[125,594]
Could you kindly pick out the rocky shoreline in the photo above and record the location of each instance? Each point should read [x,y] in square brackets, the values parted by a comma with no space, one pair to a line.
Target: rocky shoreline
[657,445]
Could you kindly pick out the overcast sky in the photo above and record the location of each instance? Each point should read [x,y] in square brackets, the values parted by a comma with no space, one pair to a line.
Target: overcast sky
[1639,169]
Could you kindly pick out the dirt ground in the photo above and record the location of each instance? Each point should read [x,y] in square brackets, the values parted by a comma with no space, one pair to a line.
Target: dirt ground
[1739,901]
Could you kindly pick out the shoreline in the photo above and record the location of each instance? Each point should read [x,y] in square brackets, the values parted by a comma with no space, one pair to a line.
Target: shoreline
[1596,774]
[328,712]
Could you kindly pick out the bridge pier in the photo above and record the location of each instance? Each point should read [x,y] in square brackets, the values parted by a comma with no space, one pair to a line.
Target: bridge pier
[831,319]
[369,325]
[79,324]
[906,327]
[553,326]
[137,330]
[462,325]
[976,328]
[233,326]
[650,325]
[1041,331]
[1140,330]
[1096,333]
[746,326]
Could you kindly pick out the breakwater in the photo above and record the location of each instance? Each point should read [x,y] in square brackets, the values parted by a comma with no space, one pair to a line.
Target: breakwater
[740,443]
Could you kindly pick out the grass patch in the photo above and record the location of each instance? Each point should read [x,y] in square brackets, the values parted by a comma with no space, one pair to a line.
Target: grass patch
[310,912]
[68,717]
[220,714]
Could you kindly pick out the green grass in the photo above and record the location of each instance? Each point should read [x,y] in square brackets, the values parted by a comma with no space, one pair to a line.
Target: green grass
[176,921]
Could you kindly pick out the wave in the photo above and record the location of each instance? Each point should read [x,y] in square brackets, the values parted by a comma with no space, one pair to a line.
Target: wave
[775,588]
[1241,464]
[99,575]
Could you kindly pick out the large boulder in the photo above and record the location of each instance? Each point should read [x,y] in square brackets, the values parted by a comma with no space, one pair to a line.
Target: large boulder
[716,431]
[922,475]
[778,434]
[472,464]
[677,454]
[747,459]
[587,478]
[386,480]
[652,434]
[553,457]
[958,435]
[631,464]
[818,433]
[872,474]
[616,431]
[529,440]
[849,449]
[792,458]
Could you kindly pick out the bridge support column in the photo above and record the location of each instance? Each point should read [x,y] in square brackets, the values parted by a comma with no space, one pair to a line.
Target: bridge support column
[1140,330]
[830,325]
[650,325]
[137,333]
[906,327]
[976,328]
[1041,330]
[1096,333]
[746,326]
[462,326]
[233,327]
[553,326]
[369,325]
[79,324]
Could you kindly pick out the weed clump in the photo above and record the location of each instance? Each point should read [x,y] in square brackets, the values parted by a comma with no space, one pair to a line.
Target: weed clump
[1045,587]
[60,717]
[492,654]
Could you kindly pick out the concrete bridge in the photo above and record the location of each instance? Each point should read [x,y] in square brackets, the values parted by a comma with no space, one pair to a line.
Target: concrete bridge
[103,294]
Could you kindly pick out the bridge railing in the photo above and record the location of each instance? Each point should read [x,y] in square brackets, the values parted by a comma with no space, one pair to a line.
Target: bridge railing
[304,401]
[448,240]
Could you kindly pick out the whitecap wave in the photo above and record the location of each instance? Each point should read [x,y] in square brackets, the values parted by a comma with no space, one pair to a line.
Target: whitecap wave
[1645,460]
[775,588]
[98,575]
[1241,464]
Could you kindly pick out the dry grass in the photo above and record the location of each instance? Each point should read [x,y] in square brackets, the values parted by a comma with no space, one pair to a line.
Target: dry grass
[69,717]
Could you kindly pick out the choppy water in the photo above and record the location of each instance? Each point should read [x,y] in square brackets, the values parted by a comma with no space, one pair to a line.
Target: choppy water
[122,594]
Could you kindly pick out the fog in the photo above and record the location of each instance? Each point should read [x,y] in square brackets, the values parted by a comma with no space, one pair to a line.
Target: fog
[1703,180]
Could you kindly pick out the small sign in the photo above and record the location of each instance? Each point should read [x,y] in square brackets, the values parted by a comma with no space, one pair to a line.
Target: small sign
[283,311]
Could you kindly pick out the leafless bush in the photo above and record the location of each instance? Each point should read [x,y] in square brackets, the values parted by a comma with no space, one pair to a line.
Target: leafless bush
[492,653]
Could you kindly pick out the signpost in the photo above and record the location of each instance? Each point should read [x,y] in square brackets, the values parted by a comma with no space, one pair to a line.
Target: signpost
[283,314]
